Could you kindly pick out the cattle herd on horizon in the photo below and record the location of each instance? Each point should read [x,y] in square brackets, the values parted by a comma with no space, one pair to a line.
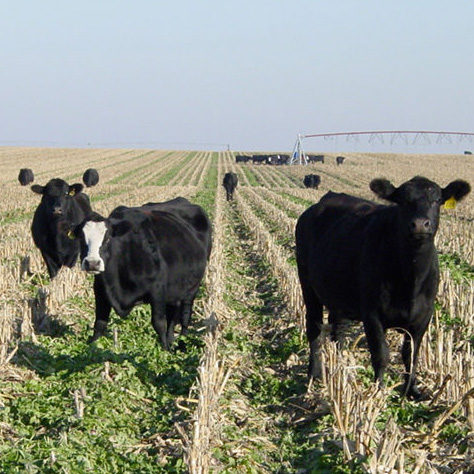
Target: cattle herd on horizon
[279,159]
[309,181]
[361,260]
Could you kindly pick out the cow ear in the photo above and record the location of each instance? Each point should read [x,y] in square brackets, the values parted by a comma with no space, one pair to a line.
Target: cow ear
[75,189]
[37,188]
[383,188]
[454,192]
[121,228]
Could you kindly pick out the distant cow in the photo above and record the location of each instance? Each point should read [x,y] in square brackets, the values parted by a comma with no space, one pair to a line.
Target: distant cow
[230,183]
[315,158]
[154,254]
[90,177]
[278,159]
[374,263]
[62,205]
[340,160]
[242,158]
[467,152]
[312,181]
[260,159]
[26,176]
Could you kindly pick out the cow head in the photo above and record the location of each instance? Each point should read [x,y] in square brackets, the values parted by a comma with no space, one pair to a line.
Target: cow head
[95,234]
[26,176]
[57,195]
[419,201]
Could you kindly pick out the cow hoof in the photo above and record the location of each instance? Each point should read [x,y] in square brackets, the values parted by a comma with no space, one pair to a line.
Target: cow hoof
[417,395]
[93,338]
[181,346]
[314,371]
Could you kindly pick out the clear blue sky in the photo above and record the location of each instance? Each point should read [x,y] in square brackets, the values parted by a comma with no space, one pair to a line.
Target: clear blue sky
[251,74]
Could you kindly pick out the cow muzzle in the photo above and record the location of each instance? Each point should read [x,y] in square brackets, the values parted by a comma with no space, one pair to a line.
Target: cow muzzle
[421,228]
[93,265]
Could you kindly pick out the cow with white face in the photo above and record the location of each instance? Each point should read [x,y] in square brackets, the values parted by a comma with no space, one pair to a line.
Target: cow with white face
[154,254]
[94,233]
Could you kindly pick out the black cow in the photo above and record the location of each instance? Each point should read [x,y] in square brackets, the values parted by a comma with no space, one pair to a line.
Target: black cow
[315,158]
[230,183]
[90,177]
[242,158]
[154,254]
[62,205]
[26,176]
[340,160]
[312,181]
[373,263]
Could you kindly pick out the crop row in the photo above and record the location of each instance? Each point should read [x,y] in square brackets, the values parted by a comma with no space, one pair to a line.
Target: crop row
[442,346]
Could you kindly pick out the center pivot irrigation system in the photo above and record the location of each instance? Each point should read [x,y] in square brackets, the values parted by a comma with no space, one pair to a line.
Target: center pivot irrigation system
[298,157]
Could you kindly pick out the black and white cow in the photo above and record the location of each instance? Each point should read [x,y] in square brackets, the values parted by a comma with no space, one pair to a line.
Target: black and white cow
[279,159]
[340,160]
[315,158]
[374,263]
[154,254]
[230,183]
[26,176]
[62,206]
[260,159]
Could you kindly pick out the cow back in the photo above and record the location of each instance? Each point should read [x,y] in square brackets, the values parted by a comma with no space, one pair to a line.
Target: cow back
[191,214]
[330,236]
[230,180]
[166,244]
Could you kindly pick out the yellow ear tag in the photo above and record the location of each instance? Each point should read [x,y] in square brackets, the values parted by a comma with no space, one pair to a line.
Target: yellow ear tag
[72,192]
[450,203]
[70,234]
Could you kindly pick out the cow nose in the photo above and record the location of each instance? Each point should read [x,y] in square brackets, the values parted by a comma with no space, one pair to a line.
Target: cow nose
[91,265]
[58,211]
[420,226]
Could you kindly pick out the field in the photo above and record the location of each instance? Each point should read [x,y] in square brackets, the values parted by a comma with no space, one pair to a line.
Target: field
[237,399]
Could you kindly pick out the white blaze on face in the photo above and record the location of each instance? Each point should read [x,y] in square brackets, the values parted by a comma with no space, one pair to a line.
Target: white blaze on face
[94,233]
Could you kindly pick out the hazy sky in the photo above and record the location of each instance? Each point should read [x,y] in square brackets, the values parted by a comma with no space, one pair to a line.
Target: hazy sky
[251,74]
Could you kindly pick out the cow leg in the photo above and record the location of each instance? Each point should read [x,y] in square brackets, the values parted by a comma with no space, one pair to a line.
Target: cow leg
[52,266]
[186,315]
[102,310]
[335,322]
[410,359]
[378,347]
[158,320]
[172,312]
[314,321]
